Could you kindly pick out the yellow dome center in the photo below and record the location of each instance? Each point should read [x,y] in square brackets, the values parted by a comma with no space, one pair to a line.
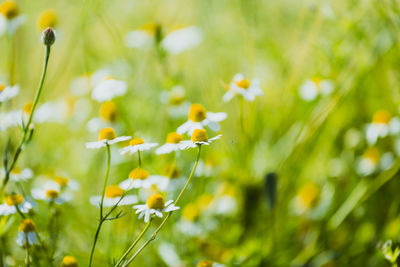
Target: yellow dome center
[136,141]
[9,9]
[47,18]
[373,154]
[172,171]
[69,261]
[14,200]
[61,180]
[2,87]
[244,84]
[16,171]
[174,138]
[155,201]
[107,134]
[309,195]
[199,135]
[190,212]
[51,193]
[150,27]
[108,111]
[381,116]
[114,191]
[27,108]
[138,173]
[197,113]
[205,263]
[26,226]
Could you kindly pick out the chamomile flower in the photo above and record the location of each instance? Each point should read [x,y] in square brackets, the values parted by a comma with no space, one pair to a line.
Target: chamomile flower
[382,125]
[18,175]
[50,194]
[199,137]
[10,19]
[69,261]
[63,182]
[108,89]
[107,116]
[244,87]
[307,197]
[27,234]
[82,85]
[12,202]
[182,39]
[48,18]
[207,263]
[314,87]
[137,144]
[52,112]
[8,92]
[198,118]
[140,178]
[372,160]
[155,206]
[112,196]
[142,37]
[176,101]
[171,145]
[10,119]
[107,136]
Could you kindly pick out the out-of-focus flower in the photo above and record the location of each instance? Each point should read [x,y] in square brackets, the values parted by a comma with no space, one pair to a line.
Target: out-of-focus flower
[242,86]
[18,175]
[372,160]
[382,124]
[199,137]
[12,202]
[108,89]
[27,234]
[137,144]
[112,196]
[107,136]
[307,197]
[207,263]
[69,261]
[172,144]
[50,193]
[314,87]
[82,85]
[10,119]
[155,206]
[142,37]
[48,18]
[198,118]
[107,116]
[182,39]
[63,182]
[10,19]
[52,112]
[8,92]
[140,178]
[176,101]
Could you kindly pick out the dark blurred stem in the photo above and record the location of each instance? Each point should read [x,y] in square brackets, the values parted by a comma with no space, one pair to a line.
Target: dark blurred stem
[140,159]
[27,260]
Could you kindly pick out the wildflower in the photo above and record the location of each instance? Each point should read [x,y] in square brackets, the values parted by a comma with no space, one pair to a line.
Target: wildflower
[48,36]
[307,197]
[18,175]
[242,86]
[155,205]
[108,89]
[52,112]
[10,19]
[372,160]
[10,119]
[27,233]
[182,39]
[107,136]
[9,9]
[48,18]
[82,85]
[199,137]
[50,194]
[107,116]
[172,144]
[69,261]
[140,178]
[207,263]
[198,117]
[62,182]
[112,196]
[137,144]
[176,101]
[12,202]
[382,124]
[314,87]
[8,92]
[142,37]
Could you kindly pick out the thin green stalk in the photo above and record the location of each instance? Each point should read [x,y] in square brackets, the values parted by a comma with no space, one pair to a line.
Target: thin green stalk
[19,212]
[134,243]
[140,159]
[27,260]
[153,236]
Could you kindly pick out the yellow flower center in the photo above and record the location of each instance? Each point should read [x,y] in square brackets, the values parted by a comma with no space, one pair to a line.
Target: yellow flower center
[317,82]
[47,18]
[107,133]
[69,261]
[114,191]
[108,111]
[27,108]
[199,135]
[381,116]
[309,195]
[150,27]
[61,180]
[155,201]
[204,201]
[138,173]
[197,113]
[9,9]
[176,99]
[2,87]
[172,171]
[174,138]
[14,200]
[136,141]
[16,171]
[51,193]
[372,153]
[244,84]
[26,226]
[205,263]
[190,212]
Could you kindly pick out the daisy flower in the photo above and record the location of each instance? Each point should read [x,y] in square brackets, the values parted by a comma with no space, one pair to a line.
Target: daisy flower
[108,89]
[314,87]
[107,136]
[143,37]
[140,178]
[48,18]
[372,160]
[198,118]
[27,233]
[12,202]
[199,137]
[137,144]
[54,112]
[382,125]
[10,19]
[63,182]
[107,116]
[112,196]
[155,206]
[18,175]
[176,101]
[10,119]
[50,194]
[69,261]
[182,39]
[82,85]
[172,144]
[242,86]
[8,92]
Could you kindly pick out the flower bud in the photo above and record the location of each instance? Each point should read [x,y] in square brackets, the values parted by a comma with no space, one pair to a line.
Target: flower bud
[48,36]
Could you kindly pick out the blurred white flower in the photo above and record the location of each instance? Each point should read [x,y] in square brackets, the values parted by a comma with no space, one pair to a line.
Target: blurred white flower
[107,136]
[182,39]
[172,144]
[113,196]
[27,234]
[108,89]
[55,112]
[382,125]
[18,175]
[137,144]
[143,37]
[369,161]
[140,178]
[82,85]
[12,202]
[242,86]
[314,87]
[176,101]
[8,92]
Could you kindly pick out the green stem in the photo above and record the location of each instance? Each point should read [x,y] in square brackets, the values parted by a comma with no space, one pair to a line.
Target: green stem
[96,236]
[19,212]
[134,243]
[153,236]
[27,260]
[140,159]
